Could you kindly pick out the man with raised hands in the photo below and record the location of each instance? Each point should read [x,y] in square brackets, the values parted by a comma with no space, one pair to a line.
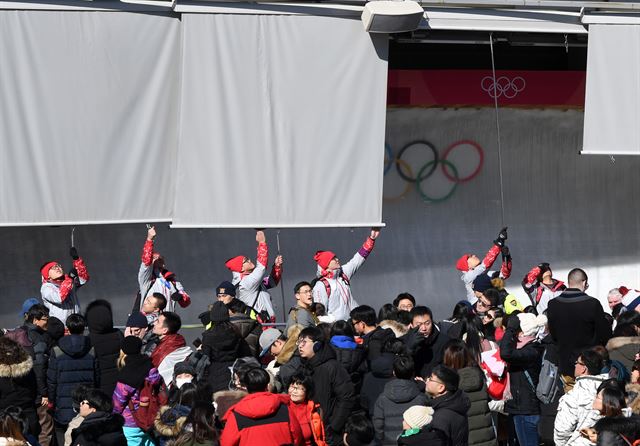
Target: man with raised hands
[59,290]
[153,277]
[333,287]
[250,281]
[472,267]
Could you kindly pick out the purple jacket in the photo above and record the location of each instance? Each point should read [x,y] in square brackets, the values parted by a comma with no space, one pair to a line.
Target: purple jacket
[124,393]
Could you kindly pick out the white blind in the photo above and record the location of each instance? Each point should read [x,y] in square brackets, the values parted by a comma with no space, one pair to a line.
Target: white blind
[282,122]
[612,103]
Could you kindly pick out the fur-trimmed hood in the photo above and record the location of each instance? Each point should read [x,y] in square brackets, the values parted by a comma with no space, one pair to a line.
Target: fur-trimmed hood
[621,341]
[97,425]
[395,326]
[633,399]
[17,370]
[170,420]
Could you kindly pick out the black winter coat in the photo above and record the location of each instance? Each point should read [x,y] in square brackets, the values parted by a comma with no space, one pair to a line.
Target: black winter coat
[473,384]
[548,411]
[374,342]
[427,352]
[353,360]
[99,429]
[427,436]
[588,326]
[106,343]
[398,395]
[332,389]
[72,362]
[18,388]
[526,359]
[40,348]
[223,345]
[374,381]
[450,416]
[611,429]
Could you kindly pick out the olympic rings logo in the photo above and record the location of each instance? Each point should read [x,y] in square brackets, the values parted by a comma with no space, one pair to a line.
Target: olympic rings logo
[503,86]
[449,170]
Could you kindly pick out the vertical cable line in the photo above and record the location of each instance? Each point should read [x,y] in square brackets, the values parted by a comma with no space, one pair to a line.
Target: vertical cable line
[495,103]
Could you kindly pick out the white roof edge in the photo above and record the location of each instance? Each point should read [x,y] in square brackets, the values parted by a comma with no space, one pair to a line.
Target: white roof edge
[80,5]
[279,8]
[613,19]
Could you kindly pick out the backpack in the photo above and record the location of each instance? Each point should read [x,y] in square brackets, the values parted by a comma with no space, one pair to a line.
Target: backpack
[549,381]
[200,362]
[151,398]
[327,286]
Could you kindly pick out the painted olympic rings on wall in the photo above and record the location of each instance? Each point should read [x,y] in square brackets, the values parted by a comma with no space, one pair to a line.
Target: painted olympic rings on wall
[503,86]
[449,170]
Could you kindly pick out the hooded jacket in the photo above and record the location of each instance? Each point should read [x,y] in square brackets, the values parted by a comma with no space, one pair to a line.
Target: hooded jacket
[588,326]
[250,330]
[18,388]
[332,389]
[105,341]
[398,395]
[351,355]
[575,411]
[99,429]
[374,342]
[339,301]
[263,419]
[223,345]
[170,421]
[374,380]
[611,430]
[450,416]
[72,362]
[624,349]
[473,384]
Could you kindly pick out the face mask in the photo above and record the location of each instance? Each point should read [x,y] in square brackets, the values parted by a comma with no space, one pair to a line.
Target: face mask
[181,381]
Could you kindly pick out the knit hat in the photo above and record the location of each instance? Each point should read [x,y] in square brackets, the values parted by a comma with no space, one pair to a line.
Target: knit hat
[235,263]
[26,306]
[482,283]
[267,338]
[511,304]
[168,275]
[131,345]
[227,287]
[530,323]
[323,258]
[184,367]
[137,320]
[45,269]
[462,264]
[418,416]
[219,312]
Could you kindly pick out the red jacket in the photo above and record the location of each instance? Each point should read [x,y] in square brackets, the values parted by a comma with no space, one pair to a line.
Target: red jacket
[310,419]
[261,418]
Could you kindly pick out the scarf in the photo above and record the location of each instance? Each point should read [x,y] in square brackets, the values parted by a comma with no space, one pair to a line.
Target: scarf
[168,344]
[135,370]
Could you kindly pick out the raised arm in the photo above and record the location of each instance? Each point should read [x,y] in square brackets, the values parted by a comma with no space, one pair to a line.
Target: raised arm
[350,268]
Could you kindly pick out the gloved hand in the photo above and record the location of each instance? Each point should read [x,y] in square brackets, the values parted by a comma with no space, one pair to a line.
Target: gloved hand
[514,322]
[73,273]
[544,267]
[506,255]
[502,237]
[73,252]
[176,297]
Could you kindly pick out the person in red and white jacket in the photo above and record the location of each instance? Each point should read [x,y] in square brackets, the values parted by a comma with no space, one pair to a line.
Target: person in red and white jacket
[250,281]
[541,287]
[472,267]
[333,287]
[153,277]
[58,289]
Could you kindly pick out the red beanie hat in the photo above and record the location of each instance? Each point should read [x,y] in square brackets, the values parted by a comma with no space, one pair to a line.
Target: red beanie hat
[323,258]
[623,289]
[235,263]
[45,269]
[462,264]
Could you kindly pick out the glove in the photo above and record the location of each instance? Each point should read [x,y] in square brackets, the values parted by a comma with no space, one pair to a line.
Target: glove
[73,273]
[176,297]
[73,252]
[514,323]
[544,267]
[506,255]
[502,236]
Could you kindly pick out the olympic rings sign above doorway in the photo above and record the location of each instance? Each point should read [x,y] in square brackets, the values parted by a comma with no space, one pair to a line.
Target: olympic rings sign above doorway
[449,170]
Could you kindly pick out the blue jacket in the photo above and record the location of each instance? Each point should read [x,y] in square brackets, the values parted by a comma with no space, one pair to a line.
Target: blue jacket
[72,362]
